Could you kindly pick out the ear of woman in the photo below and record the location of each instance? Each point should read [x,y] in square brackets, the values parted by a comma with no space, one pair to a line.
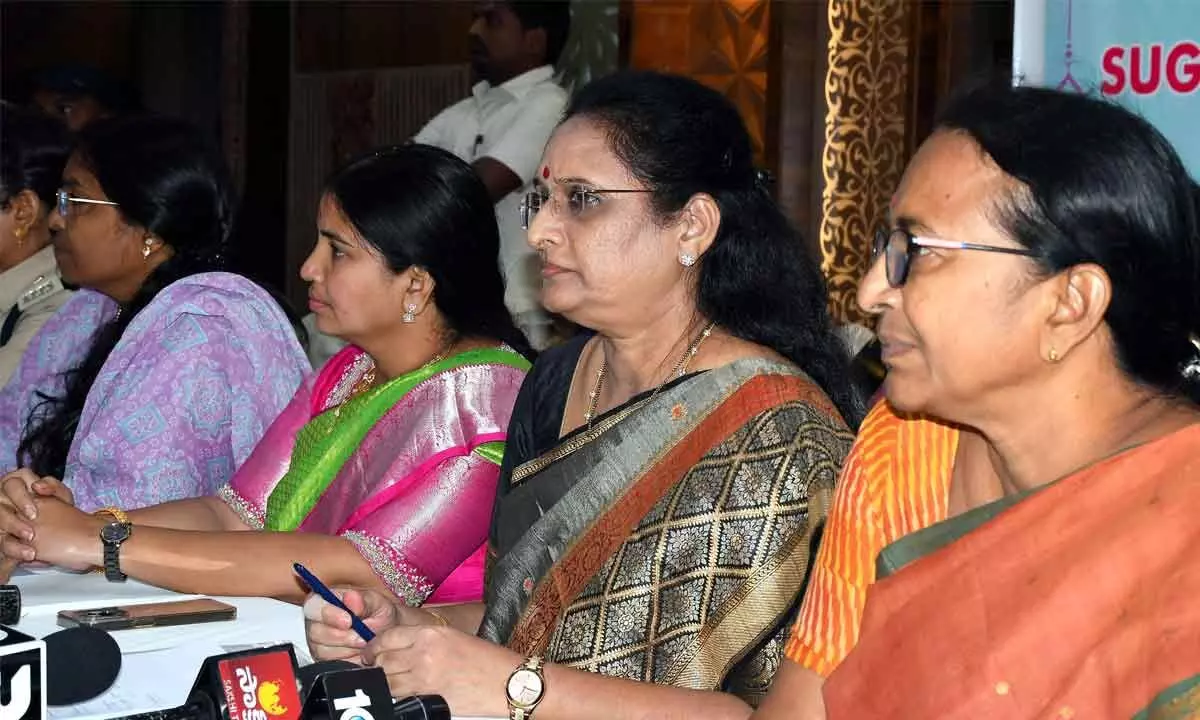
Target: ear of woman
[1080,299]
[701,221]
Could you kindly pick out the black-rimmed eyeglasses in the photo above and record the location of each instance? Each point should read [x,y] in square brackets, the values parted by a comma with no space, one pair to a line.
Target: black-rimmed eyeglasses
[65,199]
[898,246]
[578,200]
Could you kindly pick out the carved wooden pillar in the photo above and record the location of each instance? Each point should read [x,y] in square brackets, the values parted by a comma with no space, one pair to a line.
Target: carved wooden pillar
[865,136]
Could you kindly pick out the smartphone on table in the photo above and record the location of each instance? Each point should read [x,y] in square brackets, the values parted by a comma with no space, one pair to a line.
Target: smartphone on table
[128,617]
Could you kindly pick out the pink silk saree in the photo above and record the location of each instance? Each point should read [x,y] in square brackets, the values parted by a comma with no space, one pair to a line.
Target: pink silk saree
[407,471]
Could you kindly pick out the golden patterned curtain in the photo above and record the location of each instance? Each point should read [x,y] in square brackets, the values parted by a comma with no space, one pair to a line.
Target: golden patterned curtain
[866,86]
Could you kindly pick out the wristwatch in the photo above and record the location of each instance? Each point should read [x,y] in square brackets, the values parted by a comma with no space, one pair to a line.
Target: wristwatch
[525,689]
[112,535]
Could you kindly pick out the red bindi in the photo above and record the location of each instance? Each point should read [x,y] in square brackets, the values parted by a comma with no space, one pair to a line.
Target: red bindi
[545,173]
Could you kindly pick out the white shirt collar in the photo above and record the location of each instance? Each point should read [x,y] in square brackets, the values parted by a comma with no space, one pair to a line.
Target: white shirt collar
[518,86]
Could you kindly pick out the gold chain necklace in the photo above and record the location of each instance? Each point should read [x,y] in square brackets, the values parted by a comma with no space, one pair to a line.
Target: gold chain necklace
[368,379]
[677,372]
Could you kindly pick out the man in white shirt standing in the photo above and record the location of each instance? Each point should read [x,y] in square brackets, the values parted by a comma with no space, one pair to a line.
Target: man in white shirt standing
[503,127]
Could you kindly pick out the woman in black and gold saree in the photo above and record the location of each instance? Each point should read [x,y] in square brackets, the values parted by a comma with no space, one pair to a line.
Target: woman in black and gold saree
[665,475]
[668,542]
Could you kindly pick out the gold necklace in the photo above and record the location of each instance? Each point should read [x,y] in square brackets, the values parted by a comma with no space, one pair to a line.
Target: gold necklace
[676,372]
[368,379]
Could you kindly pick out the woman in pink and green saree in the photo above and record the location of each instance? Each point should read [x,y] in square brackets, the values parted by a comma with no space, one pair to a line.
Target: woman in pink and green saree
[382,470]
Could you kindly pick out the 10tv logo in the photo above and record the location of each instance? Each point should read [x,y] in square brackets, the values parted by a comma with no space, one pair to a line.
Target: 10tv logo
[22,676]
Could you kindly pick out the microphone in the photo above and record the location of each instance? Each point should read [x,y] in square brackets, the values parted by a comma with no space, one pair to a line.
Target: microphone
[344,691]
[36,673]
[69,681]
[309,674]
[259,684]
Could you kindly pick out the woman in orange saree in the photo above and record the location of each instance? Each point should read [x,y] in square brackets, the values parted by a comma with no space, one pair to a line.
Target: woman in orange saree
[1076,600]
[1029,479]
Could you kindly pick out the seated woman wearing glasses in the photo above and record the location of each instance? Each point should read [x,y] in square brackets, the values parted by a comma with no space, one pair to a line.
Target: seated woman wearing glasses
[1015,533]
[386,462]
[663,475]
[156,380]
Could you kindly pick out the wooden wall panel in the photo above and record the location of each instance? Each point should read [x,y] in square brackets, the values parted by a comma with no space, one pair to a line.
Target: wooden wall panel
[796,110]
[37,35]
[723,43]
[361,35]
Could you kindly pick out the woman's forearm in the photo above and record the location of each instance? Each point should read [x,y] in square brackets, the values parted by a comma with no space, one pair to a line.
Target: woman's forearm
[577,695]
[253,564]
[208,514]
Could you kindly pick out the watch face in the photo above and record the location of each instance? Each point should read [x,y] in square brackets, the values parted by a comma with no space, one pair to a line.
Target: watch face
[525,688]
[115,532]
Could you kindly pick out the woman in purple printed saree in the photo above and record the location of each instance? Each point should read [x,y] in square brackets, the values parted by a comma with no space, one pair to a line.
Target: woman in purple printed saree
[382,469]
[183,398]
[157,379]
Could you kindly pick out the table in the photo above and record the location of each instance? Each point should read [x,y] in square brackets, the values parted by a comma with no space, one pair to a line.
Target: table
[158,665]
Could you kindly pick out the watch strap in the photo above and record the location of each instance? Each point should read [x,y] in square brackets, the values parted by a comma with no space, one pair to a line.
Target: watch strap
[112,558]
[115,513]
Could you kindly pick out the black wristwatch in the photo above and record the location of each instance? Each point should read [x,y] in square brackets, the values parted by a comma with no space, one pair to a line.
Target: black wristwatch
[112,535]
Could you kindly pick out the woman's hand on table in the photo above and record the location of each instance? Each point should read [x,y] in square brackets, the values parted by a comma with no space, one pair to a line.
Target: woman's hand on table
[328,627]
[469,672]
[59,534]
[19,491]
[20,488]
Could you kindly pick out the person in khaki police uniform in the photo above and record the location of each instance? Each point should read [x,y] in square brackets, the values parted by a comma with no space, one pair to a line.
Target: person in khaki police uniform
[33,151]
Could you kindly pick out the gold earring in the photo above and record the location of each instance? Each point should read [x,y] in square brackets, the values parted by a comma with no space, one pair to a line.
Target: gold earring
[146,249]
[19,234]
[1053,355]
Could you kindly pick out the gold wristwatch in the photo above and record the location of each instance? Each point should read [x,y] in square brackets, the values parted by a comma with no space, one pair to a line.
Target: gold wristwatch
[525,689]
[115,513]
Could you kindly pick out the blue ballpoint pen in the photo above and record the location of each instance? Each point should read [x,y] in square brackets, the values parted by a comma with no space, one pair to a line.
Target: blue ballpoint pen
[319,588]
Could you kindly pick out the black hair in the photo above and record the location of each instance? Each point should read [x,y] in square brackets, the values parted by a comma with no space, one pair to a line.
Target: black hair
[167,179]
[757,281]
[553,16]
[33,151]
[1100,185]
[419,205]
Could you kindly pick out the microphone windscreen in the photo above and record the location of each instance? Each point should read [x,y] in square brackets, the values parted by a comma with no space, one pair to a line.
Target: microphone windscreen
[421,707]
[81,663]
[309,673]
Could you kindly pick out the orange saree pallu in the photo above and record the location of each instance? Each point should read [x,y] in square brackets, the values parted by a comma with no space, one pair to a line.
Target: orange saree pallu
[1079,600]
